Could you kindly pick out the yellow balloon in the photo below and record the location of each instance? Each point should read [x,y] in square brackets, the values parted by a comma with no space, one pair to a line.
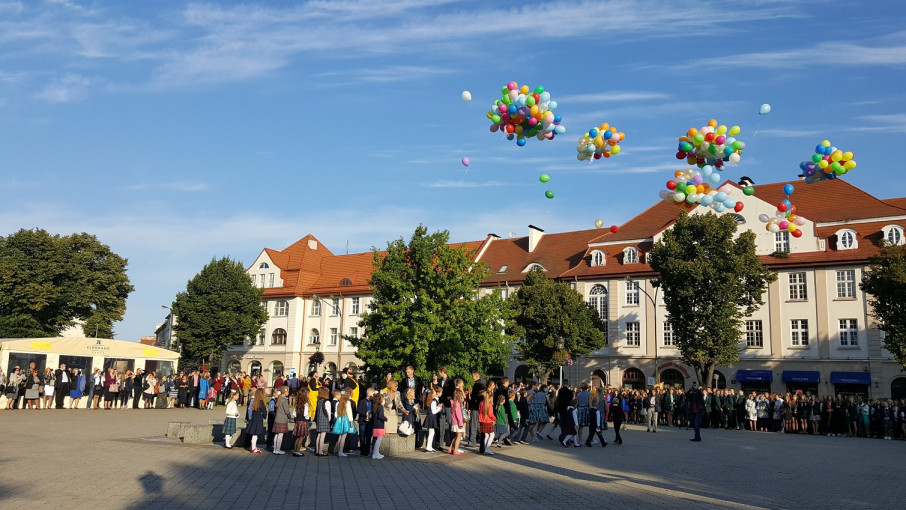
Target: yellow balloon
[534,110]
[734,131]
[489,114]
[615,149]
[791,228]
[599,142]
[721,129]
[849,165]
[823,164]
[847,156]
[523,89]
[837,155]
[826,143]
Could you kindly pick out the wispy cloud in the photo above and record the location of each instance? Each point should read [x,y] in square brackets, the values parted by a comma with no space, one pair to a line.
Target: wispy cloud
[389,74]
[788,133]
[842,54]
[168,186]
[893,122]
[71,87]
[465,184]
[611,97]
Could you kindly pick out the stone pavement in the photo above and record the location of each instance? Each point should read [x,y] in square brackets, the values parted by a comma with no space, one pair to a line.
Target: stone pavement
[121,459]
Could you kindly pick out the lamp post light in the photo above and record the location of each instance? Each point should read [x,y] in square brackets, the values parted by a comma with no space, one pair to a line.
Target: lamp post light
[653,301]
[560,349]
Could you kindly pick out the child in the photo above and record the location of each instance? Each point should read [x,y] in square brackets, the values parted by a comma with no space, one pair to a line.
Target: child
[501,427]
[300,430]
[486,421]
[343,424]
[212,397]
[323,416]
[365,408]
[377,424]
[431,422]
[457,424]
[281,420]
[594,419]
[257,412]
[568,427]
[512,415]
[229,423]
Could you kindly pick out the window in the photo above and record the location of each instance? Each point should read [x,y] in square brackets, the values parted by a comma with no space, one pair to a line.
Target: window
[754,334]
[632,334]
[632,293]
[278,337]
[270,280]
[846,283]
[597,258]
[893,234]
[668,334]
[848,333]
[797,287]
[846,239]
[314,337]
[261,335]
[355,306]
[799,332]
[335,306]
[316,308]
[333,336]
[263,265]
[597,298]
[739,218]
[254,280]
[281,309]
[782,241]
[534,265]
[503,268]
[630,256]
[354,332]
[345,282]
[276,371]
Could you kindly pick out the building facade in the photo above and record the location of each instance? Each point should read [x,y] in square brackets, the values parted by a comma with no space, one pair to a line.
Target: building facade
[814,332]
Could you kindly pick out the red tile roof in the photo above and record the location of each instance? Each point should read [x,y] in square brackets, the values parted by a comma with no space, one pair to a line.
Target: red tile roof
[555,252]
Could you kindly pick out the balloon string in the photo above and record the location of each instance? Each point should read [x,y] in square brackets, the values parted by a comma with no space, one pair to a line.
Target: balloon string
[756,129]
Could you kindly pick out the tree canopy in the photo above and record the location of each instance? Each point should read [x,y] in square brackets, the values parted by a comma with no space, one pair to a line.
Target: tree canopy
[710,281]
[220,307]
[885,281]
[47,282]
[546,313]
[427,311]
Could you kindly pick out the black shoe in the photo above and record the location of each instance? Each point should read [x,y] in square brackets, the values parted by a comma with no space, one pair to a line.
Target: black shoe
[604,444]
[695,440]
[507,442]
[549,437]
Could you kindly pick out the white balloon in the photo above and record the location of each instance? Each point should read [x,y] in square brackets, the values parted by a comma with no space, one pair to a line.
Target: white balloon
[763,218]
[466,95]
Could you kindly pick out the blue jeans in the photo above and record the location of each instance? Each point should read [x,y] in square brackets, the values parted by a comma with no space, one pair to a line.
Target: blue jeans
[698,425]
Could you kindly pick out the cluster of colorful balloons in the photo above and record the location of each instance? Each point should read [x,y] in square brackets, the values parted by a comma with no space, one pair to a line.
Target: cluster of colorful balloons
[600,223]
[694,187]
[711,145]
[521,113]
[602,141]
[785,218]
[828,162]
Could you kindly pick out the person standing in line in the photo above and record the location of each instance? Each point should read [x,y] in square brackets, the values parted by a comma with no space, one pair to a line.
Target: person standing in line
[138,387]
[302,425]
[77,388]
[431,420]
[343,425]
[149,390]
[322,419]
[486,420]
[617,415]
[364,410]
[475,398]
[229,423]
[62,385]
[111,388]
[377,424]
[312,394]
[13,382]
[751,415]
[255,416]
[447,388]
[204,389]
[653,409]
[697,401]
[47,389]
[457,426]
[33,389]
[184,389]
[282,415]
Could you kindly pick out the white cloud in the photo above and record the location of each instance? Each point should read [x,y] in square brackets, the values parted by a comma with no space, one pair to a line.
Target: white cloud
[71,87]
[611,97]
[168,186]
[837,54]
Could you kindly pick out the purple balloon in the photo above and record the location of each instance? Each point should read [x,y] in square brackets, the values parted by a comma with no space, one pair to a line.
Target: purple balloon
[465,161]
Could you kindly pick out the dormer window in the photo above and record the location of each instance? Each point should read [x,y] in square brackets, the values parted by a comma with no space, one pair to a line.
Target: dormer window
[847,239]
[893,234]
[503,268]
[597,258]
[630,256]
[345,282]
[263,265]
[739,218]
[534,265]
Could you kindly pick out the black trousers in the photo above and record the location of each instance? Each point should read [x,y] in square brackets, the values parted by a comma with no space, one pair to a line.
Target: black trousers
[616,428]
[136,395]
[59,394]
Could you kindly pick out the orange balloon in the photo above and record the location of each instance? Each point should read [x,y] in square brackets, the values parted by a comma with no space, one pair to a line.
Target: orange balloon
[684,139]
[678,173]
[692,132]
[606,154]
[622,136]
[605,126]
[700,188]
[691,160]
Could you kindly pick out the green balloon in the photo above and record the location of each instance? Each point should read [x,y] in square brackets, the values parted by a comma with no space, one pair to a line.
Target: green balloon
[549,194]
[699,138]
[505,90]
[748,190]
[495,119]
[544,178]
[530,101]
[539,89]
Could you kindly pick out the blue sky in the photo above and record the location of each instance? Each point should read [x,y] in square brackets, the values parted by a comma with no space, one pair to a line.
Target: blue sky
[178,132]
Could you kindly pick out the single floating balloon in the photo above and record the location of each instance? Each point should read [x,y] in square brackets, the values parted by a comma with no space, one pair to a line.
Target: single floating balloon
[764,109]
[549,194]
[466,162]
[599,223]
[614,229]
[466,95]
[544,178]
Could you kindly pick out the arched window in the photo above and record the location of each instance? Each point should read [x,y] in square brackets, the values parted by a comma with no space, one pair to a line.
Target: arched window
[276,371]
[898,388]
[263,265]
[630,256]
[673,378]
[354,367]
[597,258]
[278,337]
[719,381]
[234,367]
[893,234]
[345,282]
[314,337]
[331,370]
[532,266]
[739,218]
[633,378]
[316,307]
[281,309]
[255,368]
[600,375]
[597,298]
[847,239]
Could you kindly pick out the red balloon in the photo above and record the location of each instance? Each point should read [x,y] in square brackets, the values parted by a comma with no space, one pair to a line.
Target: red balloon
[781,207]
[797,233]
[709,137]
[680,155]
[793,209]
[739,206]
[597,155]
[614,229]
[671,184]
[510,128]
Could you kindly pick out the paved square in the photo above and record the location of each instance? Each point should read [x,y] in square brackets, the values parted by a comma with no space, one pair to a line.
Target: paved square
[120,459]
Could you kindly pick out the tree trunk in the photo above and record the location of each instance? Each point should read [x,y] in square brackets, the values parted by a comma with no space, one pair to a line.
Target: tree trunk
[544,376]
[709,367]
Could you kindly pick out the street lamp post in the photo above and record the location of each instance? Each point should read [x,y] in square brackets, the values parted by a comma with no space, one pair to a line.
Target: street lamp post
[560,349]
[653,300]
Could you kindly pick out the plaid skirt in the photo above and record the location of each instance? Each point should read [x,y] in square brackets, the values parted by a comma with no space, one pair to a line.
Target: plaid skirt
[486,428]
[322,423]
[229,426]
[301,428]
[280,428]
[538,414]
[582,416]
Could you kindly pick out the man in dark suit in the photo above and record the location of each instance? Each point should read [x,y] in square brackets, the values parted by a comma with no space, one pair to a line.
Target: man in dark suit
[561,403]
[194,385]
[138,386]
[414,382]
[475,398]
[62,379]
[697,406]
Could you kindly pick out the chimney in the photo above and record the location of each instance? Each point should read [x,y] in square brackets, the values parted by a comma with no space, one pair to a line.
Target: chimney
[801,177]
[534,237]
[745,180]
[312,244]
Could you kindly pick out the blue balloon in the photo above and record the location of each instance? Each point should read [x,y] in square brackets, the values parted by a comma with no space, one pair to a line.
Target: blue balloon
[608,134]
[510,136]
[557,118]
[819,149]
[729,203]
[720,196]
[707,200]
[520,142]
[593,132]
[512,109]
[788,189]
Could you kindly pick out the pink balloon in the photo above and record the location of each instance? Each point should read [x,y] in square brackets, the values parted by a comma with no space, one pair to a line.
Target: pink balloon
[784,225]
[465,161]
[720,140]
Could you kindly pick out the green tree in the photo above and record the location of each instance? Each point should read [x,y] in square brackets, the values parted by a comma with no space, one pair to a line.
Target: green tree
[47,282]
[885,281]
[710,282]
[547,313]
[427,311]
[220,307]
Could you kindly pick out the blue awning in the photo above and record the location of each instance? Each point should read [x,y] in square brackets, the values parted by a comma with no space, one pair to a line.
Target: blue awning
[796,376]
[850,377]
[754,376]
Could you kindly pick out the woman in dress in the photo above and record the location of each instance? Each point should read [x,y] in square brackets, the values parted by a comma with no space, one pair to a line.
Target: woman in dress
[313,387]
[33,388]
[323,415]
[13,382]
[343,424]
[183,391]
[111,388]
[149,389]
[77,389]
[538,416]
[282,415]
[173,392]
[751,414]
[433,409]
[229,422]
[204,386]
[48,389]
[255,416]
[392,406]
[457,425]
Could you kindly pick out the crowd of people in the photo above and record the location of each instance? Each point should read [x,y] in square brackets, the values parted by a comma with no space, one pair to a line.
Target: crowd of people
[445,414]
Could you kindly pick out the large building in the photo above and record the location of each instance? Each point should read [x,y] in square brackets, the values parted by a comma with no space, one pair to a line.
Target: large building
[813,333]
